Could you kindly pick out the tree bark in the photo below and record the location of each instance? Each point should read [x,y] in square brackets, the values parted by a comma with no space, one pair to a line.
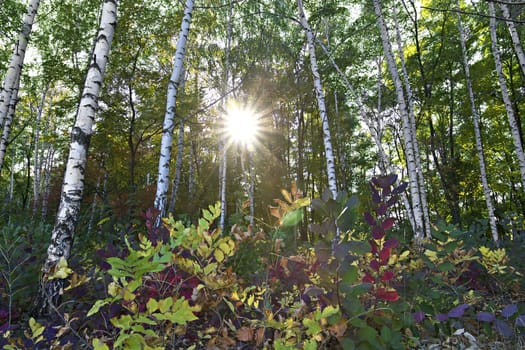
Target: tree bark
[37,161]
[4,141]
[327,138]
[408,138]
[168,126]
[73,185]
[514,36]
[477,131]
[12,77]
[413,131]
[178,169]
[514,129]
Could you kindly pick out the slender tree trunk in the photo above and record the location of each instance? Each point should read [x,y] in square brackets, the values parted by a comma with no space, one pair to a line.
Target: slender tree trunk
[4,141]
[477,131]
[514,129]
[48,168]
[327,139]
[12,77]
[37,166]
[178,169]
[223,154]
[167,129]
[514,36]
[417,157]
[73,185]
[408,138]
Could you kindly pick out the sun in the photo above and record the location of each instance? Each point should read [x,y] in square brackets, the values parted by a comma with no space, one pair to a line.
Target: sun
[242,125]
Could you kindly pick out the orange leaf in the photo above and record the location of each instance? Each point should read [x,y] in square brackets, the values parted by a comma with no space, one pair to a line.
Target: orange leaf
[245,334]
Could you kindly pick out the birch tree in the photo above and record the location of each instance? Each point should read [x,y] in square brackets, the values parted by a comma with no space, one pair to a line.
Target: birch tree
[4,141]
[223,154]
[169,123]
[514,35]
[73,186]
[17,60]
[477,130]
[178,168]
[411,117]
[408,139]
[327,139]
[513,123]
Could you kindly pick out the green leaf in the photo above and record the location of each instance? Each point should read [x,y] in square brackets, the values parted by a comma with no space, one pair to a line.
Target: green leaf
[446,267]
[351,275]
[99,345]
[386,334]
[98,304]
[312,326]
[328,311]
[292,218]
[310,344]
[182,312]
[165,304]
[152,305]
[123,322]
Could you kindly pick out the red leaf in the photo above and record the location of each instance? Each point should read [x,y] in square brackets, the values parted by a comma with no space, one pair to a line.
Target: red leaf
[387,276]
[390,243]
[374,264]
[388,295]
[388,223]
[374,246]
[368,278]
[378,232]
[384,255]
[369,219]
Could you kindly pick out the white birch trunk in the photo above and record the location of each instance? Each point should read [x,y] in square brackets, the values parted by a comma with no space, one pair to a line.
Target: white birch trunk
[178,169]
[375,128]
[477,131]
[327,139]
[167,128]
[73,185]
[413,181]
[46,184]
[223,154]
[513,123]
[4,141]
[514,36]
[37,166]
[17,60]
[410,98]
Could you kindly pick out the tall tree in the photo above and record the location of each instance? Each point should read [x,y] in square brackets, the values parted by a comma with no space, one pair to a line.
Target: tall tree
[73,185]
[11,80]
[408,138]
[513,122]
[169,123]
[514,35]
[477,130]
[327,138]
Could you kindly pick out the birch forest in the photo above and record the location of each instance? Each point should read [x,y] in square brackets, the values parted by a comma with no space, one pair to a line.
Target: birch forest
[257,174]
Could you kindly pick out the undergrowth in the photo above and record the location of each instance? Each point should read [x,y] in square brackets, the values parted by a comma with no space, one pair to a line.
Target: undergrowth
[184,286]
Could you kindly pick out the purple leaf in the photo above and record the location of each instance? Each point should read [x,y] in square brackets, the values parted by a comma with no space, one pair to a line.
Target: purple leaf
[509,310]
[381,209]
[520,321]
[390,243]
[458,311]
[399,189]
[484,316]
[441,317]
[503,328]
[374,264]
[375,197]
[419,316]
[369,219]
[378,232]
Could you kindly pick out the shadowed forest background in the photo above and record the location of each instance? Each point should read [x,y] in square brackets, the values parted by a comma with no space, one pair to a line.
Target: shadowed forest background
[253,174]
